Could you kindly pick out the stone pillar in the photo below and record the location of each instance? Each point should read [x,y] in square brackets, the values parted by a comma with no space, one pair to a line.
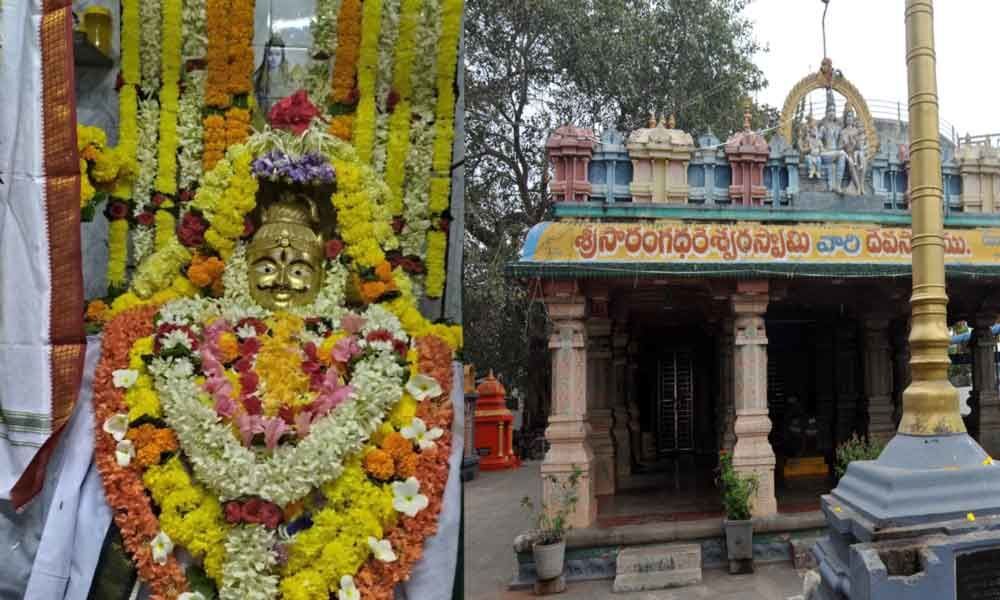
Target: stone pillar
[634,423]
[619,405]
[752,452]
[901,366]
[727,409]
[568,431]
[878,379]
[599,413]
[984,382]
[845,374]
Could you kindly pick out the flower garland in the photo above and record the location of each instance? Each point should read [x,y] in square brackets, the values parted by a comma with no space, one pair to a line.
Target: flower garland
[217,17]
[123,486]
[151,18]
[440,187]
[343,88]
[385,98]
[193,29]
[437,248]
[364,126]
[146,155]
[239,47]
[399,123]
[166,180]
[117,253]
[227,194]
[416,217]
[102,168]
[189,129]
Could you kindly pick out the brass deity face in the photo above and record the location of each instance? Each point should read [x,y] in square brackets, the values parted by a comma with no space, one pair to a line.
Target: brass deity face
[286,256]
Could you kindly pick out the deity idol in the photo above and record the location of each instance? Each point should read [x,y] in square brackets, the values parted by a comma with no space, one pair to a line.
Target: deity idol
[832,153]
[853,140]
[269,398]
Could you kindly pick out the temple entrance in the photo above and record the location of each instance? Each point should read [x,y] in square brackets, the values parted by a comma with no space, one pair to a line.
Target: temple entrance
[675,402]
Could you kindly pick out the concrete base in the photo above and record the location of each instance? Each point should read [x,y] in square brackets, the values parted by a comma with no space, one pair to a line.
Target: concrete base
[470,468]
[547,587]
[896,525]
[657,567]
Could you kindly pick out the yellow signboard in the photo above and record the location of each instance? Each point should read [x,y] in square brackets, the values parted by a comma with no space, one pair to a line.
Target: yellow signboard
[666,242]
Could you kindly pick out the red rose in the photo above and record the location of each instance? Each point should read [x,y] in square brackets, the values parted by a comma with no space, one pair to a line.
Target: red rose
[287,414]
[271,515]
[158,200]
[392,100]
[397,225]
[293,113]
[186,195]
[233,512]
[252,405]
[194,222]
[190,237]
[145,218]
[249,347]
[400,347]
[253,510]
[248,227]
[334,248]
[249,382]
[116,210]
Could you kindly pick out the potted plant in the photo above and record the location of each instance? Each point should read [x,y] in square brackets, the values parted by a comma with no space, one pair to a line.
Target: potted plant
[737,499]
[856,448]
[551,522]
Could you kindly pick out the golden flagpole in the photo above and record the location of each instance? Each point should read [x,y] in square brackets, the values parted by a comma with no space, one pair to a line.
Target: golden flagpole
[930,403]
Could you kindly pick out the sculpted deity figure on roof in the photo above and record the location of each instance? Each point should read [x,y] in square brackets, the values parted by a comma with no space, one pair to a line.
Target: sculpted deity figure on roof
[853,140]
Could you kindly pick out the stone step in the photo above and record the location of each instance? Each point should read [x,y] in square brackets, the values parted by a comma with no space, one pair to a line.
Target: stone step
[656,567]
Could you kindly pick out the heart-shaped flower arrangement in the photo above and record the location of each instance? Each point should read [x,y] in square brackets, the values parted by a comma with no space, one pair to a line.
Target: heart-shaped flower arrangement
[297,454]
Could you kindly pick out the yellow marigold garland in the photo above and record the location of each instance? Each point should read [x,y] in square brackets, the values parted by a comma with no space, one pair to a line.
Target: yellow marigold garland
[165,224]
[437,246]
[399,122]
[228,192]
[364,123]
[117,252]
[166,180]
[189,514]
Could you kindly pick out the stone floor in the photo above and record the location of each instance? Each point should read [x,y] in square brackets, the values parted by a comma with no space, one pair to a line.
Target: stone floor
[493,516]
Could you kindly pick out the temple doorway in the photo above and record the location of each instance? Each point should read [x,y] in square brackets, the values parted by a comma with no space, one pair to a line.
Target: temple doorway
[675,384]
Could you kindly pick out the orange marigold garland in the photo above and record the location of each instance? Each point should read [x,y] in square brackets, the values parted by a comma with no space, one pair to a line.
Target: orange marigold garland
[123,486]
[237,126]
[215,140]
[239,48]
[216,58]
[377,580]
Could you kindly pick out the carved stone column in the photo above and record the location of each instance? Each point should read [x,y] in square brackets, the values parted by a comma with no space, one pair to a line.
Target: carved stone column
[878,379]
[619,404]
[845,373]
[984,382]
[568,431]
[634,423]
[599,413]
[752,452]
[901,366]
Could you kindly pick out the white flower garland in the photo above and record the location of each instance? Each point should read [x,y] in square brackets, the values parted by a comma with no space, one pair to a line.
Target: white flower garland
[193,29]
[290,472]
[413,239]
[190,129]
[248,572]
[150,17]
[142,242]
[389,32]
[149,128]
[324,42]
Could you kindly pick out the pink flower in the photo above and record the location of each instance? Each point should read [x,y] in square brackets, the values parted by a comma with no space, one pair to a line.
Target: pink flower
[345,349]
[225,407]
[273,429]
[249,425]
[248,383]
[352,323]
[302,422]
[331,395]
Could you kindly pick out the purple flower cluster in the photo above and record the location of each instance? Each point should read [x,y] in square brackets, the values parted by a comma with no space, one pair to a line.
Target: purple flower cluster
[312,168]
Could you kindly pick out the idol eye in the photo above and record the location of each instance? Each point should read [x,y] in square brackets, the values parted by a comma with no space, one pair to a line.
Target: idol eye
[301,271]
[266,268]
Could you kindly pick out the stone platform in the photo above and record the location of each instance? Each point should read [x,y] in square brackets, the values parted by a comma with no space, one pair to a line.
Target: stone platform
[657,567]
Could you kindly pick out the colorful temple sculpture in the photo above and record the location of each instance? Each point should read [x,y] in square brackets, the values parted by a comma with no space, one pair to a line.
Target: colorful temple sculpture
[748,296]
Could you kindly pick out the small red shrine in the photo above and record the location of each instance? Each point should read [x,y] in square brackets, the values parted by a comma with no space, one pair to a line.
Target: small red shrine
[494,435]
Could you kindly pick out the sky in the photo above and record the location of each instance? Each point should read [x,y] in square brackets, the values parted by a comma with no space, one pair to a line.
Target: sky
[866,39]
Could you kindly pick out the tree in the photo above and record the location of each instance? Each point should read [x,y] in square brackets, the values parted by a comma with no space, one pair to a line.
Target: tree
[535,64]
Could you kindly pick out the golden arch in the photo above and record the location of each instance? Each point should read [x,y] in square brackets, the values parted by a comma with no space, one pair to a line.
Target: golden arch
[822,80]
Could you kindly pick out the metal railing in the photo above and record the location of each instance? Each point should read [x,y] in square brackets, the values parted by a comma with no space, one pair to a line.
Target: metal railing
[884,110]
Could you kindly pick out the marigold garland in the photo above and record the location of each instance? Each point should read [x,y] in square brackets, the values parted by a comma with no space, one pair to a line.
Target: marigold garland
[348,47]
[117,253]
[399,122]
[123,487]
[216,56]
[364,122]
[239,48]
[166,180]
[437,248]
